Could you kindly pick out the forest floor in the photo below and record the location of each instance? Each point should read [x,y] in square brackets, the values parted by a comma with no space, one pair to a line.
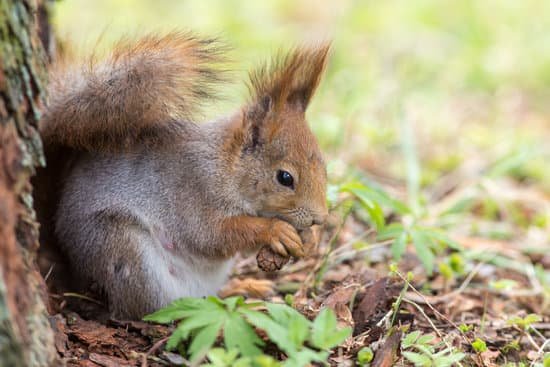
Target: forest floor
[487,300]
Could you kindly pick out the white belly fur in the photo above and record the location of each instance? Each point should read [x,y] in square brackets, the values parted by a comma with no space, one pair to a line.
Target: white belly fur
[177,278]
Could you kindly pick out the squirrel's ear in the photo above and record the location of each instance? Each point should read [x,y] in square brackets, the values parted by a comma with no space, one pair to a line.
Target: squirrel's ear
[255,128]
[290,80]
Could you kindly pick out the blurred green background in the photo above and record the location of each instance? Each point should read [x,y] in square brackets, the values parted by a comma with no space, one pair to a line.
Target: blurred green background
[462,85]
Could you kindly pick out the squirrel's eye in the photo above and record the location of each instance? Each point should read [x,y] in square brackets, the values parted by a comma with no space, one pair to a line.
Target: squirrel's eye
[285,178]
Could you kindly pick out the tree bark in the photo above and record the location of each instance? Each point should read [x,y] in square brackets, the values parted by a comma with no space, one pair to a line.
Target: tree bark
[26,338]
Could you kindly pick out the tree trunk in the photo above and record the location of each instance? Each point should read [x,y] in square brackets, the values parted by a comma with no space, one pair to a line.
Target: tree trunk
[26,338]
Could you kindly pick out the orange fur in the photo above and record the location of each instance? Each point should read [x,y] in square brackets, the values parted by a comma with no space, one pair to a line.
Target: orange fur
[140,92]
[290,78]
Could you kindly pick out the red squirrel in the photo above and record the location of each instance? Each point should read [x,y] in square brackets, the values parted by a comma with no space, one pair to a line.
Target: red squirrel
[152,206]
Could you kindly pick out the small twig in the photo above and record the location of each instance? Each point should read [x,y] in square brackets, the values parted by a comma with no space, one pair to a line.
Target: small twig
[484,314]
[539,334]
[49,272]
[383,320]
[540,352]
[456,292]
[397,304]
[433,308]
[417,306]
[531,340]
[153,349]
[81,296]
[449,346]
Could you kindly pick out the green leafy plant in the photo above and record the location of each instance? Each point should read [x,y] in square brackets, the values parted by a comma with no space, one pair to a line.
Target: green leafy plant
[372,200]
[426,239]
[511,346]
[303,341]
[524,322]
[465,328]
[479,345]
[365,356]
[503,284]
[203,320]
[421,351]
[219,357]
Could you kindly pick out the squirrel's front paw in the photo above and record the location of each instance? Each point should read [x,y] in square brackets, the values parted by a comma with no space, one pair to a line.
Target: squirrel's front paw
[285,240]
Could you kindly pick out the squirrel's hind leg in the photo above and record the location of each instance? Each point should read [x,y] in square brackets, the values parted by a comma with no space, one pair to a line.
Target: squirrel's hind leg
[117,249]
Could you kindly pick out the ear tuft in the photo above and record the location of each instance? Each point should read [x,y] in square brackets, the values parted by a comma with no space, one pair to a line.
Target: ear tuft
[290,80]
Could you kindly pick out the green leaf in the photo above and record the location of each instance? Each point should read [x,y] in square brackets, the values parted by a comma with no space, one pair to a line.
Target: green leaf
[422,244]
[242,362]
[365,355]
[438,235]
[461,206]
[324,332]
[376,214]
[232,302]
[177,310]
[180,334]
[204,339]
[399,245]
[531,319]
[512,161]
[338,337]
[305,357]
[323,325]
[479,345]
[215,301]
[276,332]
[265,361]
[196,321]
[419,360]
[282,313]
[377,195]
[390,232]
[239,335]
[298,330]
[218,357]
[456,262]
[524,322]
[503,284]
[515,320]
[410,339]
[465,328]
[450,360]
[371,206]
[425,339]
[424,348]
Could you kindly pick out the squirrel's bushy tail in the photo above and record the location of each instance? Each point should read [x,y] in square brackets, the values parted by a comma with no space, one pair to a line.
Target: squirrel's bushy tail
[138,92]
